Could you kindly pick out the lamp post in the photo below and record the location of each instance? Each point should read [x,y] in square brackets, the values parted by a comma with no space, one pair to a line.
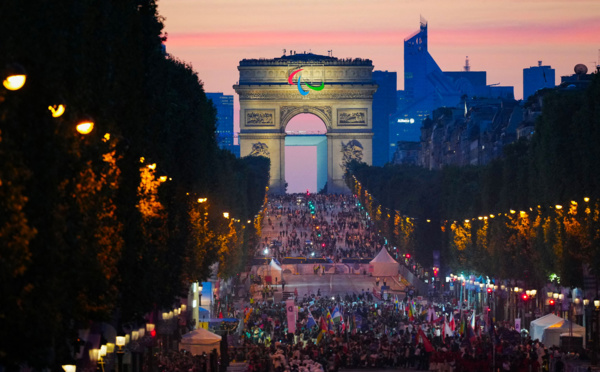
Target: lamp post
[120,342]
[594,349]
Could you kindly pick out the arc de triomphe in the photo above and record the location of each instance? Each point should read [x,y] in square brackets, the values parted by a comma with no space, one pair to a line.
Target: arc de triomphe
[339,91]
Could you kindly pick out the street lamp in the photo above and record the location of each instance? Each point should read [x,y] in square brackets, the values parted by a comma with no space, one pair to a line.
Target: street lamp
[85,126]
[15,77]
[69,367]
[120,342]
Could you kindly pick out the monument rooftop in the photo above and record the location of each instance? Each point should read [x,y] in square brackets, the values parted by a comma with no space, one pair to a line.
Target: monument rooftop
[306,59]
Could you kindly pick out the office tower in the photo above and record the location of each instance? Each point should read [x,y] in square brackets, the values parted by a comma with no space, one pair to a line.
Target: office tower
[536,78]
[384,105]
[425,85]
[224,105]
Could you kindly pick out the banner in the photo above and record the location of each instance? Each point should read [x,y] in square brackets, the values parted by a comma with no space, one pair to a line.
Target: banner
[518,324]
[290,309]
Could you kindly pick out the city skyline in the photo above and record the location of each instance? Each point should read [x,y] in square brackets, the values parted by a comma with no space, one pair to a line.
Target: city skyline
[502,38]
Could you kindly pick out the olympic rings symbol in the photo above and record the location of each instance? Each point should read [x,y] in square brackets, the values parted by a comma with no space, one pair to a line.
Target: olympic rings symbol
[302,91]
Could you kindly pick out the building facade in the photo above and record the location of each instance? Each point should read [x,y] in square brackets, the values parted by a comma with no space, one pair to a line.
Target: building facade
[384,106]
[224,105]
[536,78]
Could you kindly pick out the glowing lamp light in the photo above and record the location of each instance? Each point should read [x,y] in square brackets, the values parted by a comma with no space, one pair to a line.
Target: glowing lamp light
[94,354]
[549,294]
[152,166]
[558,206]
[202,200]
[150,327]
[57,110]
[555,296]
[597,303]
[561,296]
[103,351]
[135,335]
[142,332]
[69,367]
[183,307]
[165,316]
[85,127]
[162,178]
[226,214]
[586,199]
[110,347]
[586,301]
[14,82]
[512,211]
[120,342]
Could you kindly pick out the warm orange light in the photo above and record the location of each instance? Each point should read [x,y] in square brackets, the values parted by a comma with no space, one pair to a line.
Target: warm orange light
[85,127]
[558,206]
[512,211]
[467,221]
[152,166]
[57,110]
[162,178]
[202,200]
[586,199]
[14,82]
[226,214]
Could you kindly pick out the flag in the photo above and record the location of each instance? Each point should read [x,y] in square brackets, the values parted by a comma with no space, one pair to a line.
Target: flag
[473,320]
[330,323]
[336,315]
[447,330]
[320,336]
[426,343]
[311,321]
[323,323]
[451,322]
[342,324]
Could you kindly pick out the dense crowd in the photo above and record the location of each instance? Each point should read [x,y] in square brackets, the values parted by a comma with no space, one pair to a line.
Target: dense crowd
[380,334]
[320,226]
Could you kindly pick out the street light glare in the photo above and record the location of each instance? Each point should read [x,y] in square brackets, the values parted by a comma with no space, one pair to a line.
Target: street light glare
[14,82]
[85,127]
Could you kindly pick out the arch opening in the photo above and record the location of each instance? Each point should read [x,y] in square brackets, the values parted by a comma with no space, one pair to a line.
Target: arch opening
[305,153]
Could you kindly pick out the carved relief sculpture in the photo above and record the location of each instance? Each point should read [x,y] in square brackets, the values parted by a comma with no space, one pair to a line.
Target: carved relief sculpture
[260,149]
[352,117]
[352,150]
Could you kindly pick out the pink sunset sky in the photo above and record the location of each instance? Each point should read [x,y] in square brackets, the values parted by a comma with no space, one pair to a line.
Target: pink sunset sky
[501,37]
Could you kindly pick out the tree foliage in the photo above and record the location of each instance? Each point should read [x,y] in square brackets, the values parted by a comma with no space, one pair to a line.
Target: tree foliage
[532,213]
[107,226]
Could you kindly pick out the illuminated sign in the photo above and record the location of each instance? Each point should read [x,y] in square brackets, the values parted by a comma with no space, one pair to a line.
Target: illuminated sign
[407,121]
[302,91]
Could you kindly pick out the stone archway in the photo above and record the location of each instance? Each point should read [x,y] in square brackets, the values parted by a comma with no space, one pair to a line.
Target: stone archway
[338,91]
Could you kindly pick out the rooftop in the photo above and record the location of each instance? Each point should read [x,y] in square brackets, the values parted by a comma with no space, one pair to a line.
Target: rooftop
[306,58]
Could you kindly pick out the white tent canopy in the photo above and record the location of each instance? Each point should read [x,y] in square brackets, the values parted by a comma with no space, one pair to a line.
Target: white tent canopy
[383,264]
[200,341]
[549,328]
[272,269]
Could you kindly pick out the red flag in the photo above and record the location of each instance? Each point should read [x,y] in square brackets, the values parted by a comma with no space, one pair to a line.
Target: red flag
[426,343]
[323,323]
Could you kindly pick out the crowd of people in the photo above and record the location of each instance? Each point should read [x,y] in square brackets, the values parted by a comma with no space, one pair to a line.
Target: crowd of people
[377,334]
[358,330]
[320,226]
